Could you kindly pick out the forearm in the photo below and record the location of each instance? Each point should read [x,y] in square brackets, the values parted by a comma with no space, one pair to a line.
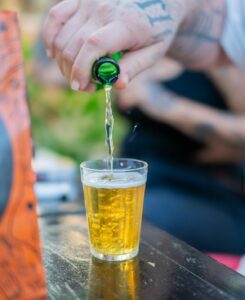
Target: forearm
[195,28]
[230,82]
[207,124]
[197,43]
[196,120]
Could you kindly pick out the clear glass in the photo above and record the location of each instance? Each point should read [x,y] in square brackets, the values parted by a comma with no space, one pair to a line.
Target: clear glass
[114,206]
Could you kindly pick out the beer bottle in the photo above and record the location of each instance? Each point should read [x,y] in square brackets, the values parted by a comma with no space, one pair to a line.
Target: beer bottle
[106,70]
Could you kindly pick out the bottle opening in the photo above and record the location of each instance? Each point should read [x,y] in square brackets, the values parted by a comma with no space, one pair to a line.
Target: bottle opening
[106,71]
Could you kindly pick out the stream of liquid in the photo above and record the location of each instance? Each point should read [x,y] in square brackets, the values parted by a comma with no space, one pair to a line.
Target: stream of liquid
[109,125]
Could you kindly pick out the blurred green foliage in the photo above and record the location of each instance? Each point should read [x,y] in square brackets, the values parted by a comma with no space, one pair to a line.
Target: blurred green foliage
[70,123]
[67,122]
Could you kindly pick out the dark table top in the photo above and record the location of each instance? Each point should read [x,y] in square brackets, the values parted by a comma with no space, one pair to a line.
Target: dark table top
[166,268]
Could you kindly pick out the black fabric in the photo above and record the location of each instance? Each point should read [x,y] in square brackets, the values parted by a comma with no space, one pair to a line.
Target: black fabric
[198,87]
[160,144]
[202,205]
[163,141]
[213,224]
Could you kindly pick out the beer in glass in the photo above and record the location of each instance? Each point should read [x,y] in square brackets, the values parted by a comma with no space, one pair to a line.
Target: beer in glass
[114,205]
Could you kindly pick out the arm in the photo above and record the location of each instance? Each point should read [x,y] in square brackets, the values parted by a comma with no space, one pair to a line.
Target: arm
[77,32]
[230,81]
[198,41]
[222,133]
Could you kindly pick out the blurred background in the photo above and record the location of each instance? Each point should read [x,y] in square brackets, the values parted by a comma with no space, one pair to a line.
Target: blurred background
[62,120]
[188,126]
[67,126]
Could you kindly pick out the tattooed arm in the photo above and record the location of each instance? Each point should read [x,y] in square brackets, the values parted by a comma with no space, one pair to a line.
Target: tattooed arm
[198,40]
[223,134]
[230,82]
[77,32]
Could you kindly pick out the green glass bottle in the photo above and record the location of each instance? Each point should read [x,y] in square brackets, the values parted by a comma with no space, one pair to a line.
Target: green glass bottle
[106,70]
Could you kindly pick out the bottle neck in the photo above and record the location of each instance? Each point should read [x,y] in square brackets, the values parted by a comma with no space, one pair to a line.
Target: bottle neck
[106,71]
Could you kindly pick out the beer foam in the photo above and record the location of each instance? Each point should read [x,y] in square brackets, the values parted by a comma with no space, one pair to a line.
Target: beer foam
[119,180]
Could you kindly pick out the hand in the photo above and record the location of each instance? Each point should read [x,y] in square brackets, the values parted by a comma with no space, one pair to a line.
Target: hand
[145,86]
[150,97]
[221,152]
[137,94]
[77,32]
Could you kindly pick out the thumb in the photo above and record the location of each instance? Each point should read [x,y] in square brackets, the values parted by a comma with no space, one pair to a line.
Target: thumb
[137,61]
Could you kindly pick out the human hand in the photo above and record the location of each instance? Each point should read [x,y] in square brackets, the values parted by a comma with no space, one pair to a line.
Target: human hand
[220,151]
[150,97]
[77,32]
[145,92]
[136,94]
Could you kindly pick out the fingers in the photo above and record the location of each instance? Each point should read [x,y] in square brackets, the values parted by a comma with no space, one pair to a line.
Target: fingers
[67,32]
[138,61]
[126,100]
[97,45]
[64,36]
[134,95]
[70,52]
[78,32]
[58,15]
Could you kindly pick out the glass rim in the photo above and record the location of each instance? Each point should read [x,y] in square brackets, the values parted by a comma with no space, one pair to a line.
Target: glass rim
[144,165]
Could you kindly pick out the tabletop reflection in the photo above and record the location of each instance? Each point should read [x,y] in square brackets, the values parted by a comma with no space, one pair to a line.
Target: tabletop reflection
[118,280]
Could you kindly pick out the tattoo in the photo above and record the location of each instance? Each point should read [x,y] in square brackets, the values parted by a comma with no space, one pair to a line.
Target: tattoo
[200,35]
[204,132]
[207,132]
[204,30]
[167,32]
[159,17]
[149,3]
[154,20]
[198,39]
[161,102]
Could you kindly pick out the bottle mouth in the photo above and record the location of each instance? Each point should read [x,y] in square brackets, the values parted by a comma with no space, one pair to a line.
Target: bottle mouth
[106,71]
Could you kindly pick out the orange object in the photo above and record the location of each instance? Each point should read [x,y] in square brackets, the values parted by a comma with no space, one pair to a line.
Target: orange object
[21,270]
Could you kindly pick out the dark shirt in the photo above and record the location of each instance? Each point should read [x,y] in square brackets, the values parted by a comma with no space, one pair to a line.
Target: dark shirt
[170,153]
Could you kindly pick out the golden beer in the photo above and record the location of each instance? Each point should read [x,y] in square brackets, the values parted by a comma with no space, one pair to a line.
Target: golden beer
[114,205]
[114,212]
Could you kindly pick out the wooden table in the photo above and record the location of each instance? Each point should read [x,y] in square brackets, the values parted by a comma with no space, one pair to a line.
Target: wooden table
[165,269]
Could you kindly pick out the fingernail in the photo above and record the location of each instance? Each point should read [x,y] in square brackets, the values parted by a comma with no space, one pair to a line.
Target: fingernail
[48,52]
[75,85]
